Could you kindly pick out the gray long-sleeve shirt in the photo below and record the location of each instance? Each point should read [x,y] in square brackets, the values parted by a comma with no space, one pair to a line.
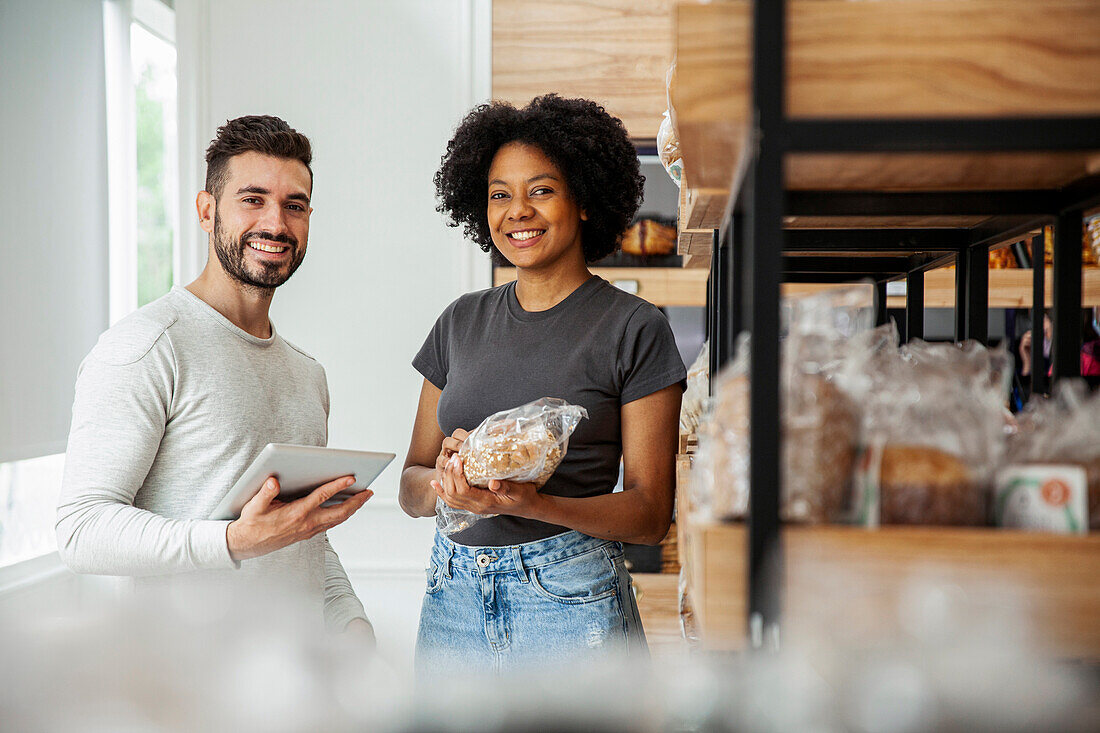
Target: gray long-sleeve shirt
[171,406]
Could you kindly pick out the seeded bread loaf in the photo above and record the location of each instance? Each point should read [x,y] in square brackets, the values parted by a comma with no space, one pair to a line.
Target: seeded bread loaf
[511,449]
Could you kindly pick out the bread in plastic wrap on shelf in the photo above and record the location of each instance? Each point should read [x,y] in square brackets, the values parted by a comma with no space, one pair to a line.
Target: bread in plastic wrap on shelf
[697,395]
[819,419]
[936,412]
[921,485]
[1064,428]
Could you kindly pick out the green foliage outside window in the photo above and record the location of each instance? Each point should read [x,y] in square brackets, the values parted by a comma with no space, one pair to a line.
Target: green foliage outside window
[154,230]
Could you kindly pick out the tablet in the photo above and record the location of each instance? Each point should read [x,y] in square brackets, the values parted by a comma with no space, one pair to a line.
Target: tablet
[301,469]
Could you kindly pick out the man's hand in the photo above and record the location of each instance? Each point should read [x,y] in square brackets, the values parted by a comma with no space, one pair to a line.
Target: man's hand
[267,524]
[502,497]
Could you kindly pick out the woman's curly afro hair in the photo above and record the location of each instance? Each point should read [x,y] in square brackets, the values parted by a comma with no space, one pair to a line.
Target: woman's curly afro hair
[589,146]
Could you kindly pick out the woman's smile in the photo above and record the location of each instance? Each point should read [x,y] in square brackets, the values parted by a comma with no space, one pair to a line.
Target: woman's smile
[523,238]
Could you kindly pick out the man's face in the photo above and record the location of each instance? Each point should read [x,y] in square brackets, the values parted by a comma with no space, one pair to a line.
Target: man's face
[261,219]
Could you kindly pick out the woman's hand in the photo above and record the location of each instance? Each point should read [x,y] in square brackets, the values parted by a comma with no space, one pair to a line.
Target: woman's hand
[451,447]
[502,497]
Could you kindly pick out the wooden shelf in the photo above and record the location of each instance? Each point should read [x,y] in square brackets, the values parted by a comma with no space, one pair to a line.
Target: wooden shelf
[918,58]
[661,286]
[858,576]
[849,575]
[659,606]
[1007,289]
[616,52]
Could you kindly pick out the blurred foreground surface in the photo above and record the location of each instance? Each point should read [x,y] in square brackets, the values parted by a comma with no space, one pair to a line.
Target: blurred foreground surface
[953,660]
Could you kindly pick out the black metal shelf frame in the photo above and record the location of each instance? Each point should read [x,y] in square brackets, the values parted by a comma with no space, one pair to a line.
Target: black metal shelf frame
[753,255]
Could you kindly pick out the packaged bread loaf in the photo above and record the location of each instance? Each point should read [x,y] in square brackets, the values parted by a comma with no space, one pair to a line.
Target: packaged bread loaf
[525,445]
[819,445]
[819,417]
[933,434]
[1063,429]
[922,485]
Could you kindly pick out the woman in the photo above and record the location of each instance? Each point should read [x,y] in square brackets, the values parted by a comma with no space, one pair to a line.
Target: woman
[549,188]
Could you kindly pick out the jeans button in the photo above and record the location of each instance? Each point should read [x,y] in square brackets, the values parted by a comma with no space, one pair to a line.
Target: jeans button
[482,561]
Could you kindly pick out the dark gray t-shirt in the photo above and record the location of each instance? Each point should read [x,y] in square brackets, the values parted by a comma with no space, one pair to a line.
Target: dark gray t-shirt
[599,348]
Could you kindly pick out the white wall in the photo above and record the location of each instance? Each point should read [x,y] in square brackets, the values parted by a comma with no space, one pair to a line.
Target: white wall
[378,87]
[53,243]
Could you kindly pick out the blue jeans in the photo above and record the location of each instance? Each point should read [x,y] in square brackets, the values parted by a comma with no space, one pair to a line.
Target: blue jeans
[552,601]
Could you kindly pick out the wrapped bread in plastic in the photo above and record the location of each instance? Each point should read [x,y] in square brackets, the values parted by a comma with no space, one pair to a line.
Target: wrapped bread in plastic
[525,445]
[668,139]
[696,396]
[668,149]
[819,445]
[921,485]
[511,449]
[934,430]
[820,422]
[1064,429]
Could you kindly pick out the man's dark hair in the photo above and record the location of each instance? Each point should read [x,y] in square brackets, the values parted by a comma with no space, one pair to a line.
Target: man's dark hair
[254,133]
[589,146]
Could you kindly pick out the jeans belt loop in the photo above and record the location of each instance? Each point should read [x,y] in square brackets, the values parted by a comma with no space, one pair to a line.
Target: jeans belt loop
[521,571]
[447,562]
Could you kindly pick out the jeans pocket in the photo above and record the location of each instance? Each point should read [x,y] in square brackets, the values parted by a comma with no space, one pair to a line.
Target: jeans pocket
[435,577]
[581,579]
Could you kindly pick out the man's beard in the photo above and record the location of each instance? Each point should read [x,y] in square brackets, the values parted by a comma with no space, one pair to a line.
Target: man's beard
[270,275]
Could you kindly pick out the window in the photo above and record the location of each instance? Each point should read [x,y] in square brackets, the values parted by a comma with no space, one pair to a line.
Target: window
[153,65]
[28,503]
[142,151]
[139,40]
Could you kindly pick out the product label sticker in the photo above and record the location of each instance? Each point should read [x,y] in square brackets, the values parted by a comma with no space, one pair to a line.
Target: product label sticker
[1040,497]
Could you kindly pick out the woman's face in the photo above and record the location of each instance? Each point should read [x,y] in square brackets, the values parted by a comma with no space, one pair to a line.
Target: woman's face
[533,218]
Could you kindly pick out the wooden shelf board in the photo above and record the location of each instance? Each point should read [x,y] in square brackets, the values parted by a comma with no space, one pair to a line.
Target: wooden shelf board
[835,573]
[919,58]
[697,261]
[702,209]
[690,242]
[1007,289]
[661,286]
[882,222]
[616,52]
[659,606]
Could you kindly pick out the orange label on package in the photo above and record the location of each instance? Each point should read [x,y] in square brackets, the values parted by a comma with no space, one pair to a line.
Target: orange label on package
[1055,492]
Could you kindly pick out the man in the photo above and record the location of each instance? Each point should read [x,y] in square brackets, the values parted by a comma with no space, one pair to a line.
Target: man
[176,400]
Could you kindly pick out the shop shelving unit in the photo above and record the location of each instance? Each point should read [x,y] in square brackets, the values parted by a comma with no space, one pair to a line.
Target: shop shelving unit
[821,146]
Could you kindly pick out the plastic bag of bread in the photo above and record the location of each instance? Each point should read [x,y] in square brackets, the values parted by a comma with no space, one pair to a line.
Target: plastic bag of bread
[697,395]
[524,445]
[1063,429]
[820,419]
[668,139]
[668,149]
[933,433]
